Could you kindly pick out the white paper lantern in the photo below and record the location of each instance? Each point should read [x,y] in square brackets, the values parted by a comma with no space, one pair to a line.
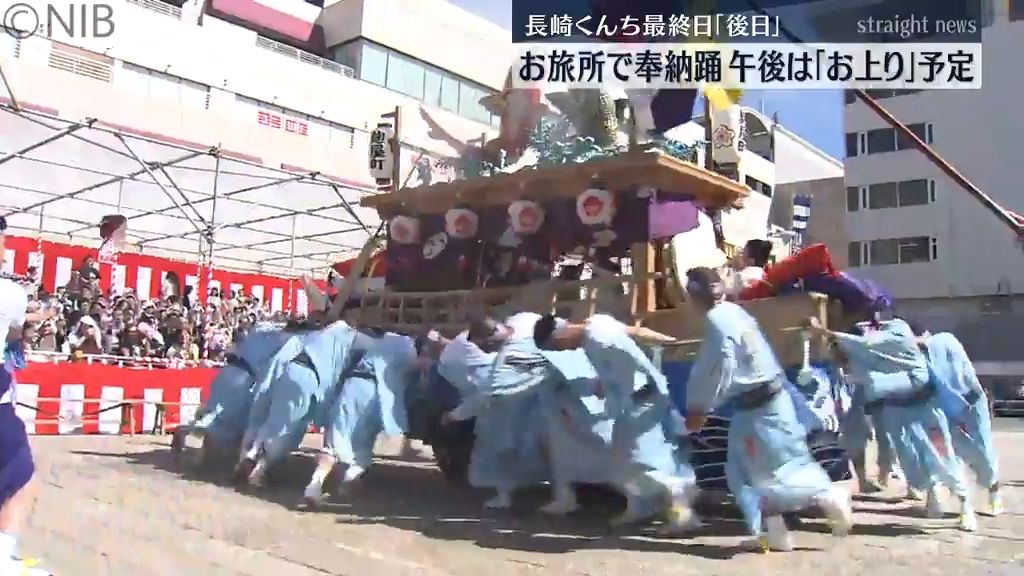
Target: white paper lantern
[595,207]
[526,217]
[404,229]
[461,223]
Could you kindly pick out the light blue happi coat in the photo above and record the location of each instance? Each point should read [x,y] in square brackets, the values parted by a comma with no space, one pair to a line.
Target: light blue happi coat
[510,447]
[857,427]
[644,432]
[298,391]
[226,412]
[769,467]
[971,425]
[465,365]
[894,367]
[371,400]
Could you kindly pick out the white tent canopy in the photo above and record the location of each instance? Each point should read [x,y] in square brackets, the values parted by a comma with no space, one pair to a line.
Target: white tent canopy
[59,178]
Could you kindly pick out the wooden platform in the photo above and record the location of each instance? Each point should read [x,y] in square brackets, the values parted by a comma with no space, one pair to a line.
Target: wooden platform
[630,170]
[781,318]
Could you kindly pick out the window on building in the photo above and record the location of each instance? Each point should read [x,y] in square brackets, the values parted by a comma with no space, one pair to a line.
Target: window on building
[916,249]
[161,86]
[902,250]
[914,193]
[758,186]
[432,87]
[899,194]
[852,140]
[921,130]
[883,252]
[416,79]
[450,93]
[881,140]
[405,76]
[884,195]
[853,254]
[469,103]
[852,198]
[373,64]
[1016,10]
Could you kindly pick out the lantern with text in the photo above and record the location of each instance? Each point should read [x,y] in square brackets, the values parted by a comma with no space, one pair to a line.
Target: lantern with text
[382,156]
[526,216]
[595,207]
[461,223]
[728,135]
[404,230]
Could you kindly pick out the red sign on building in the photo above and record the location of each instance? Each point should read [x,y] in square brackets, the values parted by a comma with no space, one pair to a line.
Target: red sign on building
[282,123]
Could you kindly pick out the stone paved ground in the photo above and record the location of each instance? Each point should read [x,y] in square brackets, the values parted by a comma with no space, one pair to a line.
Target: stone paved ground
[114,505]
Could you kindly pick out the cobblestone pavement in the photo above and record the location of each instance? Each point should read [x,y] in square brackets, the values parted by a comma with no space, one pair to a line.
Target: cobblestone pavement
[114,505]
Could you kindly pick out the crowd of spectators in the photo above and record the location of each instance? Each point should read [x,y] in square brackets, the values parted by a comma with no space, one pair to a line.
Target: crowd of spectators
[81,320]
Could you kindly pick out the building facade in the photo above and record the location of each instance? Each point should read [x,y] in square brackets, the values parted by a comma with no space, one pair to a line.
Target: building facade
[945,258]
[286,83]
[775,159]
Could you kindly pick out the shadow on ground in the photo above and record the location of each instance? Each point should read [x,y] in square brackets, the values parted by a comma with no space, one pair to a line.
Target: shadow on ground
[414,496]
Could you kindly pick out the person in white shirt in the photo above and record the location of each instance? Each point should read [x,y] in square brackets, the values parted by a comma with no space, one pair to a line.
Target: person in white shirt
[750,269]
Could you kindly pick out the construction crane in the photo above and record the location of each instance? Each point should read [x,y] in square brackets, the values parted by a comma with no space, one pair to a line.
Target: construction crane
[1014,222]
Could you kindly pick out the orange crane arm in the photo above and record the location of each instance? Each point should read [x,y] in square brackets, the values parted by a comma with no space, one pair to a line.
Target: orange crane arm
[1016,225]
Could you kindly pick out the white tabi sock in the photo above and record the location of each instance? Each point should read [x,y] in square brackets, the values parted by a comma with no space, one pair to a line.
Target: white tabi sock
[8,545]
[968,520]
[315,488]
[352,473]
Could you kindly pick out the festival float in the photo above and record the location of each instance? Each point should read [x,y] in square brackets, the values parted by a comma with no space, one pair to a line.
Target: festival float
[558,192]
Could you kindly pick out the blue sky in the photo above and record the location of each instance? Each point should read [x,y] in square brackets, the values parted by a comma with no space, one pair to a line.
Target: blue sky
[816,115]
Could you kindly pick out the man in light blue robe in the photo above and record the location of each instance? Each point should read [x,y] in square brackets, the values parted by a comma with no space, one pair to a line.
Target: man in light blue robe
[222,421]
[644,463]
[971,423]
[857,428]
[505,399]
[769,467]
[900,385]
[292,396]
[369,402]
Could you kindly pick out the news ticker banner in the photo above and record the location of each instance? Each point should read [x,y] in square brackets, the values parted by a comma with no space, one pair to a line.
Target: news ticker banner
[743,21]
[749,66]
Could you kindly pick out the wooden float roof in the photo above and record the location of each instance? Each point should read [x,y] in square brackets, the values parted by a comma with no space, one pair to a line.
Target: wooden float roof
[629,170]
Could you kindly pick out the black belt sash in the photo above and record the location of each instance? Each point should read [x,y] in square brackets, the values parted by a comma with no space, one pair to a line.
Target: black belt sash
[239,362]
[303,359]
[972,397]
[758,396]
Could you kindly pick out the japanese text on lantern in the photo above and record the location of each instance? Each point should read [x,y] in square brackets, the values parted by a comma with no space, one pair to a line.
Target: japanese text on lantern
[282,123]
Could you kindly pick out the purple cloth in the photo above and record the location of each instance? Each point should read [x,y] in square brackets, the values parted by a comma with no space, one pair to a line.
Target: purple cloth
[16,467]
[855,294]
[671,217]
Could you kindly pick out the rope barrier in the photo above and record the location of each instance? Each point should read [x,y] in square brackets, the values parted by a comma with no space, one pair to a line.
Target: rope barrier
[127,408]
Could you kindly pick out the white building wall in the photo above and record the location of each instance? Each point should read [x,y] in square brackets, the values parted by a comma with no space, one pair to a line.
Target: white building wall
[979,132]
[225,58]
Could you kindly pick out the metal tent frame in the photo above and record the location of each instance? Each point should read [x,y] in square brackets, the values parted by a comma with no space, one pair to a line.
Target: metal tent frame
[58,178]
